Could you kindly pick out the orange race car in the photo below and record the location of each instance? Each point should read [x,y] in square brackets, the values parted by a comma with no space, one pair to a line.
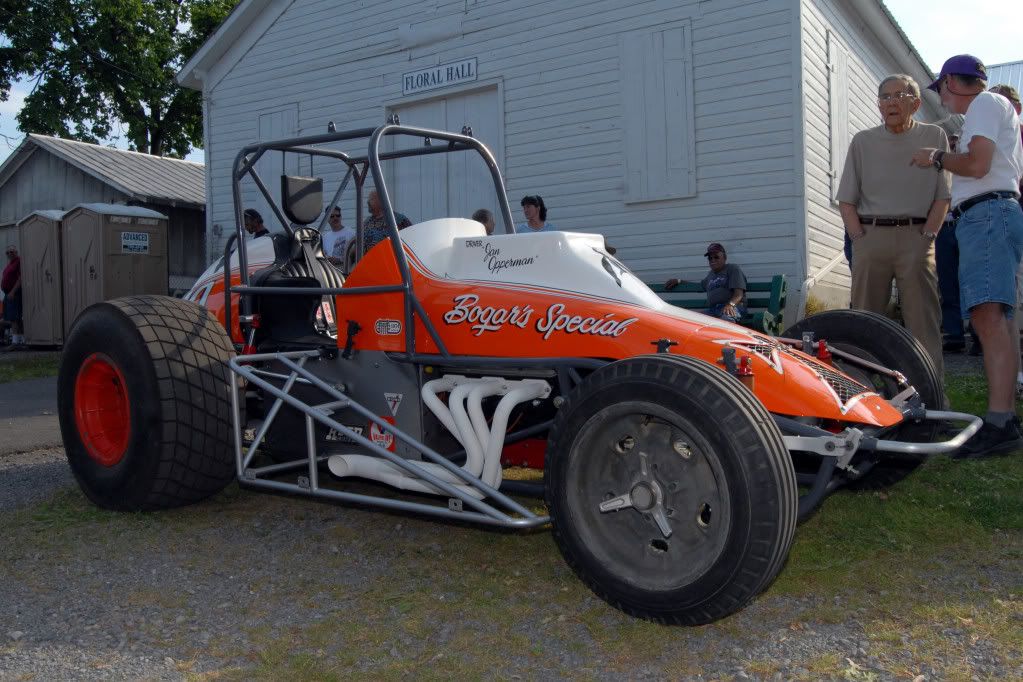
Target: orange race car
[677,450]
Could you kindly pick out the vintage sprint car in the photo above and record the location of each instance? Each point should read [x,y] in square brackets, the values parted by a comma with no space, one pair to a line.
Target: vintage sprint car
[677,451]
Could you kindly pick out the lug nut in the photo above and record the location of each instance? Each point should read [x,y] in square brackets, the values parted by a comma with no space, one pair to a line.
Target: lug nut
[682,448]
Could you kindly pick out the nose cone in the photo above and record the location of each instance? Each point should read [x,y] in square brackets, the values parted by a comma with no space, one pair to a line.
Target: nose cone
[789,382]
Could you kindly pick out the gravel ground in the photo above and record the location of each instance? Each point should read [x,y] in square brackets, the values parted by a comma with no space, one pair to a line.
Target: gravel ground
[30,477]
[233,588]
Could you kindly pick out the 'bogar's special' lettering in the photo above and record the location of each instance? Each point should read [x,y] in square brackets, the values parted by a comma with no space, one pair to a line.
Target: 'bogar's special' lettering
[492,318]
[557,320]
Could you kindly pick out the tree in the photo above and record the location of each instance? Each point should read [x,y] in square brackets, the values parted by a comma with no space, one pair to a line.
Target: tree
[99,63]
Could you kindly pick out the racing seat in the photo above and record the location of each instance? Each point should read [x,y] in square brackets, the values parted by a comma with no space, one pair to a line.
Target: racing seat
[291,322]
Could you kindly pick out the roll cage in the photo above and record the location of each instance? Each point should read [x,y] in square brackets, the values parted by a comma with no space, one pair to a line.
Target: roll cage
[358,169]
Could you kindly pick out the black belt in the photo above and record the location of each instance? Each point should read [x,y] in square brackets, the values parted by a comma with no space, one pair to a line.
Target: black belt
[966,204]
[892,222]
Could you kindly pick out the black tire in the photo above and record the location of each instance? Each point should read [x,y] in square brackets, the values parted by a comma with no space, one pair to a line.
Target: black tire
[884,342]
[733,496]
[144,403]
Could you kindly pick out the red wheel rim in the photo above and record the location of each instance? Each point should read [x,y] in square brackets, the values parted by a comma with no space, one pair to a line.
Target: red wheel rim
[102,411]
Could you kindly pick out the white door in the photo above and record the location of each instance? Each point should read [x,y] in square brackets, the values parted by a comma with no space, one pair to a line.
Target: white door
[273,125]
[418,184]
[456,184]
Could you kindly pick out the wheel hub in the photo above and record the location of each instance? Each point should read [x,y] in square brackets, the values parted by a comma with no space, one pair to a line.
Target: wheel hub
[645,496]
[102,410]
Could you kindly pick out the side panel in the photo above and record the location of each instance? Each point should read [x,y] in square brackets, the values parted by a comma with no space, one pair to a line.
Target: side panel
[41,266]
[82,263]
[127,273]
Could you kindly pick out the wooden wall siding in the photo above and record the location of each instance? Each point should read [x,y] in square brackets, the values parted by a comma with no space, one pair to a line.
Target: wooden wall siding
[186,239]
[559,66]
[46,182]
[827,28]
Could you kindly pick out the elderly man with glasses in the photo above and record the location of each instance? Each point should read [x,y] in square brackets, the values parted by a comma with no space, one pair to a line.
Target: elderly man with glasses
[892,211]
[725,285]
[985,187]
[10,284]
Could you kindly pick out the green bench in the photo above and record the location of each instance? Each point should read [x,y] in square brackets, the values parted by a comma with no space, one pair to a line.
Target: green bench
[765,301]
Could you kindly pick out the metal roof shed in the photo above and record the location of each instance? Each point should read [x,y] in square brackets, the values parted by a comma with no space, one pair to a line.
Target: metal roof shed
[52,173]
[42,298]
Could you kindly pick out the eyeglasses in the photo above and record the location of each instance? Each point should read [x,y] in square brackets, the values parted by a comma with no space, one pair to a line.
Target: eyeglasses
[897,96]
[715,256]
[335,215]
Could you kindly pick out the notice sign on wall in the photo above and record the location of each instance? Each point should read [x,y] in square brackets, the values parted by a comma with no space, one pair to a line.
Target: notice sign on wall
[438,76]
[134,242]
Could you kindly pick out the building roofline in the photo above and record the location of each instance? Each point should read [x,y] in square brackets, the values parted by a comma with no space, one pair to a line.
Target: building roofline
[34,141]
[231,29]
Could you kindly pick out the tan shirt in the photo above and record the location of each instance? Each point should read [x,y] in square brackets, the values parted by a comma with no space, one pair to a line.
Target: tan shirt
[879,180]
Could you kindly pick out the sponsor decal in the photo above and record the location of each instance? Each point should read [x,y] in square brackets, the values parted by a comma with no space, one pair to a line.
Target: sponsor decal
[387,327]
[335,436]
[393,402]
[380,437]
[467,309]
[134,242]
[473,243]
[610,264]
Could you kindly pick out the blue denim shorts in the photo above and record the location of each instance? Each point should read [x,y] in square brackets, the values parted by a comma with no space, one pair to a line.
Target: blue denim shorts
[718,311]
[990,236]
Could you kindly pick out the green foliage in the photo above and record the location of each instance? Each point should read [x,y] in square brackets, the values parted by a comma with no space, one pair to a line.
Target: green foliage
[95,63]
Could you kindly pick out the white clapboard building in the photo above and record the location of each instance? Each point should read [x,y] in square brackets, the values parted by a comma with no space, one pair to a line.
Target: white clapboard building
[663,124]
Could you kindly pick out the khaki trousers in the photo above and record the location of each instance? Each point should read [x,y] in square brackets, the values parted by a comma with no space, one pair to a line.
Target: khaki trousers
[903,253]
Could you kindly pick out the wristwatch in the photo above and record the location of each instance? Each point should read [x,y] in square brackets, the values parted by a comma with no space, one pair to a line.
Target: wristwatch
[938,156]
[930,236]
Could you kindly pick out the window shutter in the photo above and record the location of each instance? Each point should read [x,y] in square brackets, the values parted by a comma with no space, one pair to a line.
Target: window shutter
[838,109]
[658,132]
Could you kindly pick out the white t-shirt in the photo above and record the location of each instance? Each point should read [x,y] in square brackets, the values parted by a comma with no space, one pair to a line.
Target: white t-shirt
[336,241]
[991,116]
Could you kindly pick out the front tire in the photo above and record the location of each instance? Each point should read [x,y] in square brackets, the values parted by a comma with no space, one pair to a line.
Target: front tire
[881,341]
[144,403]
[712,497]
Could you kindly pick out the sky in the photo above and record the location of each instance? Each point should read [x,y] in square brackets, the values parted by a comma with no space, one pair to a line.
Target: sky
[989,29]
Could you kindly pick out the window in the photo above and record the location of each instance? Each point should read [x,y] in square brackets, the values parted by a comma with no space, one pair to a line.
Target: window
[657,88]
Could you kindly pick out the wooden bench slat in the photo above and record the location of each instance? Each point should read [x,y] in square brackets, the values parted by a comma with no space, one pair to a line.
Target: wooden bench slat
[764,313]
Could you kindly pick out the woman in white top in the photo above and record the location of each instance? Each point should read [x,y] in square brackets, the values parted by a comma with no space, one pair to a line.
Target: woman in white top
[536,215]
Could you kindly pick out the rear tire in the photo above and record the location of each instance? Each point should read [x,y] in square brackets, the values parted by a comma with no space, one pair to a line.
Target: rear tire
[145,405]
[882,341]
[680,430]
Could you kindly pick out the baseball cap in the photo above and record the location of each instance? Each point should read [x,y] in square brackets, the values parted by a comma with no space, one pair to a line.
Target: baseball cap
[715,248]
[960,65]
[253,213]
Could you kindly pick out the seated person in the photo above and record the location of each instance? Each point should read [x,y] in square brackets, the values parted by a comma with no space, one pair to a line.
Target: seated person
[725,286]
[486,219]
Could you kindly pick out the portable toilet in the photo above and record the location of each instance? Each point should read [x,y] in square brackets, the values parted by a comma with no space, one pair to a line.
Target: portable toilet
[42,299]
[111,250]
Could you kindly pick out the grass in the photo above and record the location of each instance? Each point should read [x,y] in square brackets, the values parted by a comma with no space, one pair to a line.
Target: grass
[926,573]
[17,368]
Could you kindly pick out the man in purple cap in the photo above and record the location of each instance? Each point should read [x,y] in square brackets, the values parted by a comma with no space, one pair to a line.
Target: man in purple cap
[985,186]
[725,285]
